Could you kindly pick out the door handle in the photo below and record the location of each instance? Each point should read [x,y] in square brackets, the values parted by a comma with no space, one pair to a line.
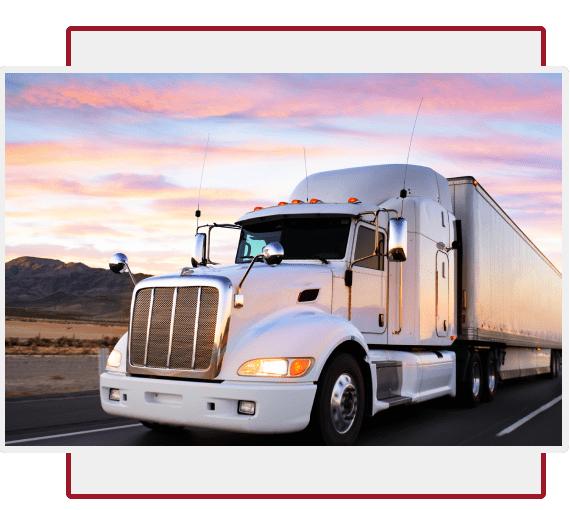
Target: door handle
[381,320]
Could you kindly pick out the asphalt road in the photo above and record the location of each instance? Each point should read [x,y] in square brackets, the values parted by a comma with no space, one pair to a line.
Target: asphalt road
[78,420]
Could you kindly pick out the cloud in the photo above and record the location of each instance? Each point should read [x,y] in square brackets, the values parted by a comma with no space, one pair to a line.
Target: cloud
[302,96]
[86,230]
[139,152]
[496,148]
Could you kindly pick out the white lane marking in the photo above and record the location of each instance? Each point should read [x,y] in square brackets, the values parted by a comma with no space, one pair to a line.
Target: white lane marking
[72,434]
[516,425]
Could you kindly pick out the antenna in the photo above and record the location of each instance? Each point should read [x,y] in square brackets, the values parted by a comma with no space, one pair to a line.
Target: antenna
[411,138]
[200,190]
[404,192]
[306,175]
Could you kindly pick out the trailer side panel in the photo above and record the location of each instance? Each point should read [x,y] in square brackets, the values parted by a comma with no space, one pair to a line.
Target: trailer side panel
[512,292]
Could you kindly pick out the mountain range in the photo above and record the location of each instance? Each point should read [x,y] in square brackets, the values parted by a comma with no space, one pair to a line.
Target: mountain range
[52,288]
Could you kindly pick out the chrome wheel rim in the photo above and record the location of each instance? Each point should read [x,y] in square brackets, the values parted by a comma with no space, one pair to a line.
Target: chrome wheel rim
[476,379]
[492,379]
[344,403]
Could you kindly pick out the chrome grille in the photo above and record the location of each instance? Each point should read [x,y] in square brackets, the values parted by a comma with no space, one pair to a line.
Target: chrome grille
[174,327]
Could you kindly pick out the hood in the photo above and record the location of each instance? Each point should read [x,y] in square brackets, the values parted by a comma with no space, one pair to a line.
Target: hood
[266,290]
[270,299]
[281,277]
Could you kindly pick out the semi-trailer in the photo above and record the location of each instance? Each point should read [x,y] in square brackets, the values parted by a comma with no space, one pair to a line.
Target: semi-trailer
[392,285]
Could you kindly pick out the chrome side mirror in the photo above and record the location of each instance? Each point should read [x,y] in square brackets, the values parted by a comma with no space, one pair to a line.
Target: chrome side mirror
[397,239]
[119,263]
[273,254]
[198,250]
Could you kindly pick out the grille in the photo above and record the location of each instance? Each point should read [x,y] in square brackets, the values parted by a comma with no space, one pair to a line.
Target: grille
[174,327]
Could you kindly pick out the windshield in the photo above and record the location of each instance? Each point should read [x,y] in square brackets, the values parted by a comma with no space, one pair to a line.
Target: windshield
[301,238]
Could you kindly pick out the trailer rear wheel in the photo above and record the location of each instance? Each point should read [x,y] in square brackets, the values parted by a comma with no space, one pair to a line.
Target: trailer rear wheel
[472,387]
[554,364]
[489,376]
[339,406]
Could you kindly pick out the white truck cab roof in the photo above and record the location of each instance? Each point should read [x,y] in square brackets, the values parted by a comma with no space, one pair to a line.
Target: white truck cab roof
[371,185]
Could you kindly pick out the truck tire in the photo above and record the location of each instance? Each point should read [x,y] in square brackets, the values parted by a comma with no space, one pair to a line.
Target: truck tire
[472,388]
[489,380]
[159,427]
[554,365]
[339,406]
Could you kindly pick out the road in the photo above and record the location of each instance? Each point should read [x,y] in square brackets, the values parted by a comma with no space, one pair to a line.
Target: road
[78,420]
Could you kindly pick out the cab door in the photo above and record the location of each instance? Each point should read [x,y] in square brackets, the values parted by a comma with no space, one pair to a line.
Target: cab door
[442,293]
[368,291]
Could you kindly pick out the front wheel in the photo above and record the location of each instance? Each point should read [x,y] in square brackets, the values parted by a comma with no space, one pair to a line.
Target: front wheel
[339,406]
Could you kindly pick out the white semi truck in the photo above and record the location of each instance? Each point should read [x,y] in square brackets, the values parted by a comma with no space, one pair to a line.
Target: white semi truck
[391,286]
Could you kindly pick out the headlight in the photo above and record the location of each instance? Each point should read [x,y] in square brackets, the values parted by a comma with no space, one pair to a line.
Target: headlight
[276,367]
[114,359]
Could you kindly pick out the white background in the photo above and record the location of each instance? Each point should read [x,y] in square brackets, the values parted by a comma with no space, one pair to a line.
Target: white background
[307,470]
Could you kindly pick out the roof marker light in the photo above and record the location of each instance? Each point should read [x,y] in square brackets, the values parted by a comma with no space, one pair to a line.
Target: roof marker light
[315,201]
[283,203]
[353,200]
[258,208]
[297,202]
[475,182]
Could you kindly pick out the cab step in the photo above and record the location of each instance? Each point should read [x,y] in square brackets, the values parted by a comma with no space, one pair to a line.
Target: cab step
[396,401]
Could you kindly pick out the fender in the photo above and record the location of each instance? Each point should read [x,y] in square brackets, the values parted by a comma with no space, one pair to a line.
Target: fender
[303,332]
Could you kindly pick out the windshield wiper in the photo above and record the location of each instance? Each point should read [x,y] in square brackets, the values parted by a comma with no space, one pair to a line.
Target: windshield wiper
[322,259]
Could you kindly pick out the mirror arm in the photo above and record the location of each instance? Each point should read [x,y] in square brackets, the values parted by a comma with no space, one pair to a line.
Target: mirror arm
[253,260]
[131,274]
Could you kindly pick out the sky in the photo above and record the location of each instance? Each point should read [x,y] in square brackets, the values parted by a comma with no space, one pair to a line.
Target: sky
[104,163]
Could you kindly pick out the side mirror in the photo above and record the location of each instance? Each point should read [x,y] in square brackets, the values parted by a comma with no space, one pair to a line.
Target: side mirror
[198,250]
[273,254]
[397,239]
[119,264]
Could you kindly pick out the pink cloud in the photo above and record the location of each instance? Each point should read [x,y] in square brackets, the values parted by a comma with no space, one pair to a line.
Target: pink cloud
[140,152]
[498,148]
[280,97]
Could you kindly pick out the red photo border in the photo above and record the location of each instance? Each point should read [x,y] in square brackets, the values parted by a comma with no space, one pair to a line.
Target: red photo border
[540,29]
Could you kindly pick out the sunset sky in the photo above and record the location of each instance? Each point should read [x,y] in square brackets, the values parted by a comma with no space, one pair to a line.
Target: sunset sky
[100,163]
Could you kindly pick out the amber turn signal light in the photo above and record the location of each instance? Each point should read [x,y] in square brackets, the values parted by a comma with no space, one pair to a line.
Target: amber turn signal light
[298,367]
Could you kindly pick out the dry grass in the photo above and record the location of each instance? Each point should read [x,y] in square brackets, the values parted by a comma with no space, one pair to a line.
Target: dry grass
[59,346]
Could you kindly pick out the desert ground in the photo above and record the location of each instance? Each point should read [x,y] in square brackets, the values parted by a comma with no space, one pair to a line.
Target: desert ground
[45,356]
[37,375]
[54,329]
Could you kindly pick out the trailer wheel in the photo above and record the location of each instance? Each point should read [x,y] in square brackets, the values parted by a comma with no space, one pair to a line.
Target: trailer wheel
[159,427]
[339,406]
[554,364]
[489,381]
[472,387]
